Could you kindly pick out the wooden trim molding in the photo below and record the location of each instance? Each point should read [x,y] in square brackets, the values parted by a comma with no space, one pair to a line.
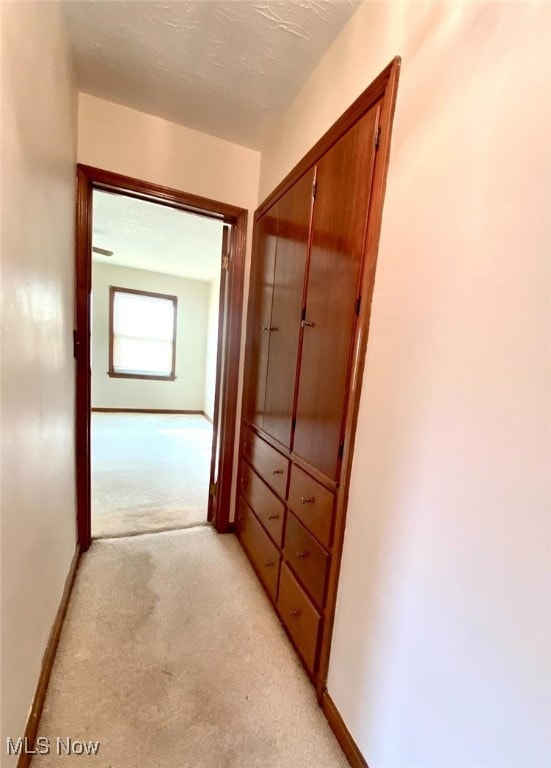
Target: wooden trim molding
[31,728]
[342,734]
[142,376]
[157,193]
[150,410]
[81,335]
[229,374]
[225,254]
[88,179]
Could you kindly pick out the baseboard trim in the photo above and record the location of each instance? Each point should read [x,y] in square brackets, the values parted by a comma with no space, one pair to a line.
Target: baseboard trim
[31,728]
[145,410]
[344,737]
[207,417]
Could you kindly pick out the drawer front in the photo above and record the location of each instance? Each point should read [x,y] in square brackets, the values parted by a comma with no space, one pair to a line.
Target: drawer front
[263,554]
[299,616]
[265,504]
[307,559]
[312,504]
[269,463]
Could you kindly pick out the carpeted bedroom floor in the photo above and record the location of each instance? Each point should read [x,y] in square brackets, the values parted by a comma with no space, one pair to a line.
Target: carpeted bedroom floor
[172,657]
[150,472]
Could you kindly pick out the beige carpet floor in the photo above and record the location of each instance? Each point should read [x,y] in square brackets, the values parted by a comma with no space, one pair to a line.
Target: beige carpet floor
[150,472]
[171,657]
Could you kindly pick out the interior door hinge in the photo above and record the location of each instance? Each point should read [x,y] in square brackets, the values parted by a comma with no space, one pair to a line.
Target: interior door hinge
[212,489]
[358,304]
[226,262]
[341,450]
[378,137]
[293,424]
[315,189]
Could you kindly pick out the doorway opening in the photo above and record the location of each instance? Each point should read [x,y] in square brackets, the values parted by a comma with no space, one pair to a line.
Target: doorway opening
[158,326]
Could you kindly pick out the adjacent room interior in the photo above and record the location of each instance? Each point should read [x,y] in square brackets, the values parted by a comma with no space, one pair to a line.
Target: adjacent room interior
[155,297]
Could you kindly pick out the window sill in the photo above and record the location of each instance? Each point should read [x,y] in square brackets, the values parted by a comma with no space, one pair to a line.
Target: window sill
[146,376]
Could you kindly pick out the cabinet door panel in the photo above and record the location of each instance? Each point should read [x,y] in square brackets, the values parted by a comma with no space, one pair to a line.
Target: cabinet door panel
[300,616]
[307,559]
[265,504]
[339,226]
[262,278]
[272,467]
[290,262]
[262,552]
[312,504]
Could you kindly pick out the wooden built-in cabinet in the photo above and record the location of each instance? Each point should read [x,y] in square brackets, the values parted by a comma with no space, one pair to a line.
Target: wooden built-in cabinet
[281,253]
[315,244]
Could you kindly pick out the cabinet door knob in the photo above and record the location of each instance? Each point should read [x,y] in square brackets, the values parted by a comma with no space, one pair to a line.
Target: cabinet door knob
[303,554]
[306,324]
[295,613]
[273,517]
[277,472]
[307,499]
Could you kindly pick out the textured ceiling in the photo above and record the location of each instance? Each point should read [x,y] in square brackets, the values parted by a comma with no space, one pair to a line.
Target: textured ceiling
[227,68]
[154,237]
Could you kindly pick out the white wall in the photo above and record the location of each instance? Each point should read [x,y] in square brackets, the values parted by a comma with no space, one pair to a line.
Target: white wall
[187,392]
[212,346]
[441,652]
[133,143]
[38,484]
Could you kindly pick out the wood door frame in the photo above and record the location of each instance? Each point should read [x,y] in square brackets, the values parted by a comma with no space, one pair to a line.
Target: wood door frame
[88,179]
[213,498]
[383,90]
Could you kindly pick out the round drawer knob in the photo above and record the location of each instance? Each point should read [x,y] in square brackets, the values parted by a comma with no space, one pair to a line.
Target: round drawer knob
[307,499]
[295,613]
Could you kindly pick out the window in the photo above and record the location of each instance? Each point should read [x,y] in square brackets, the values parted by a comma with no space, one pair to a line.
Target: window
[142,334]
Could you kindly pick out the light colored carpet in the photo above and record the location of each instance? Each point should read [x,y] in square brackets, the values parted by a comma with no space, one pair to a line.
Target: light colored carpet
[172,657]
[150,472]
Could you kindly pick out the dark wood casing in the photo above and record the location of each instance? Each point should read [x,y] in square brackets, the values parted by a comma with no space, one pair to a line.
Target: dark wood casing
[314,255]
[229,335]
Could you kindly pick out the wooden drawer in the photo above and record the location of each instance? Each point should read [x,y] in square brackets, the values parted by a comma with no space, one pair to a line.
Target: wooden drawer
[312,504]
[269,463]
[262,553]
[299,616]
[265,504]
[307,559]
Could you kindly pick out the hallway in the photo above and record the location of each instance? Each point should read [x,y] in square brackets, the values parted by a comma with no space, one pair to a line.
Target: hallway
[423,572]
[171,655]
